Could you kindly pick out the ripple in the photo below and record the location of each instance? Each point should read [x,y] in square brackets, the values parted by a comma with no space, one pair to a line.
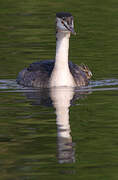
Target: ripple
[10,85]
[106,82]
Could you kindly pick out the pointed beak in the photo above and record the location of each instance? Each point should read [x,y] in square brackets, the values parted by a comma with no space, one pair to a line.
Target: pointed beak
[69,28]
[72,30]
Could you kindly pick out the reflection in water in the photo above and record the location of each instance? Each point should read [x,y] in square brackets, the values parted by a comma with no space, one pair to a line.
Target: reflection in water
[61,98]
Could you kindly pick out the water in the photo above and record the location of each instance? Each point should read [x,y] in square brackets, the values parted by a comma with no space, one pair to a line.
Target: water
[59,133]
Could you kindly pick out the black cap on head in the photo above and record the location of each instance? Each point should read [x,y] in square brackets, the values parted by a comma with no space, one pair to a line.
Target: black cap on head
[63,14]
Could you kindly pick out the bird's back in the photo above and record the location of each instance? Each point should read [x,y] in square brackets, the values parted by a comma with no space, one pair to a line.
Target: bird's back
[38,74]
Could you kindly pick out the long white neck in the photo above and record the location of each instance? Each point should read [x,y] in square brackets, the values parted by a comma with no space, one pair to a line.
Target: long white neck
[61,75]
[62,48]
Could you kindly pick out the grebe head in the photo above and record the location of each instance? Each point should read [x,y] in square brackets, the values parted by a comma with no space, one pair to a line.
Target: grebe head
[86,70]
[64,22]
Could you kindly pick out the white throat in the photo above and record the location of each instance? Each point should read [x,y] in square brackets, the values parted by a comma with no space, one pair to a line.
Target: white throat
[61,75]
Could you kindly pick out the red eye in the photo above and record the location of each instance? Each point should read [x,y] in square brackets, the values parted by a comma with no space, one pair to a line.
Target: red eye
[62,22]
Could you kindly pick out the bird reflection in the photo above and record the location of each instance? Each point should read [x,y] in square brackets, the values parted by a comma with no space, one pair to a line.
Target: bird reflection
[61,98]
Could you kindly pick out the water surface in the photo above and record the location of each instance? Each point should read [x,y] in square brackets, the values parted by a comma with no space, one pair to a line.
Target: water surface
[59,133]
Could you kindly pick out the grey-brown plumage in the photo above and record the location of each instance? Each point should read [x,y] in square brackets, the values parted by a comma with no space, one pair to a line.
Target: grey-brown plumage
[38,74]
[58,72]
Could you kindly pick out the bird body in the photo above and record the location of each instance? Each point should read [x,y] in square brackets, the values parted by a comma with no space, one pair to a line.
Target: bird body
[58,72]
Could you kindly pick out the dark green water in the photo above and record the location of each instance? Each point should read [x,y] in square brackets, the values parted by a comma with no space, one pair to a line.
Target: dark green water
[32,146]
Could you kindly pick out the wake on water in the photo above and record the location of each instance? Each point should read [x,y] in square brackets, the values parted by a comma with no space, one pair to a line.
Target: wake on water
[10,85]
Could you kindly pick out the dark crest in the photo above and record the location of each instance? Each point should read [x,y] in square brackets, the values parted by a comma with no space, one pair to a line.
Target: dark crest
[63,14]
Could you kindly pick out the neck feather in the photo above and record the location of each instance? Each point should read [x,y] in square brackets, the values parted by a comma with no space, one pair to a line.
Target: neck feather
[62,48]
[61,75]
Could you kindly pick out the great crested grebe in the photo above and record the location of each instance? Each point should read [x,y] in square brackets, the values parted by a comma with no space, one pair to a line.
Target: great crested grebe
[58,72]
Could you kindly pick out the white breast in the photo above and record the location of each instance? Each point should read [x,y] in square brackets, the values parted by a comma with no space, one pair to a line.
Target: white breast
[61,75]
